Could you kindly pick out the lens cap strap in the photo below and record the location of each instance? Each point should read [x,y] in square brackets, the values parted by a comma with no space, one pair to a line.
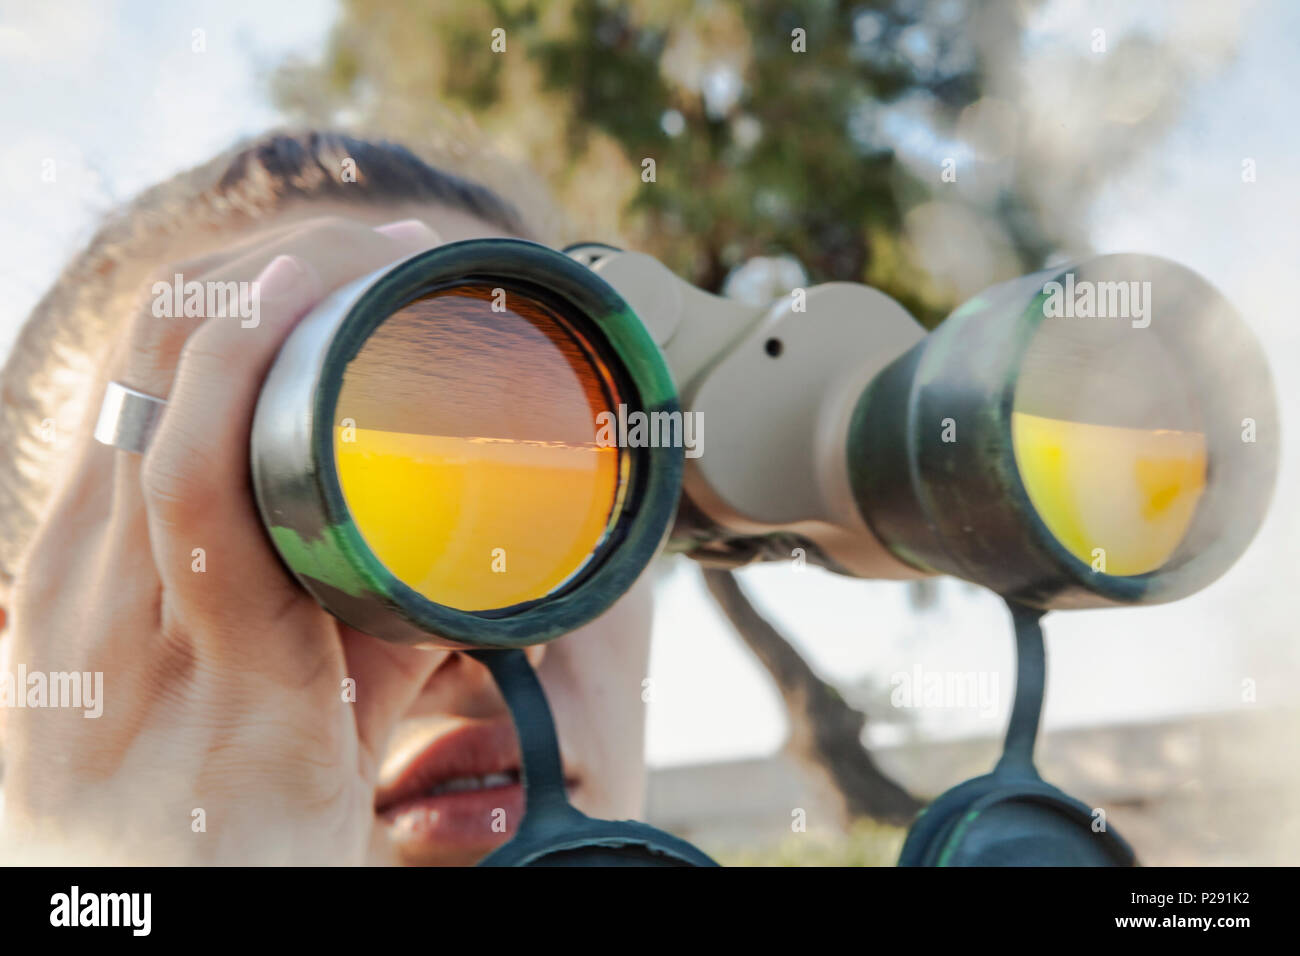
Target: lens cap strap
[1031,678]
[541,768]
[553,831]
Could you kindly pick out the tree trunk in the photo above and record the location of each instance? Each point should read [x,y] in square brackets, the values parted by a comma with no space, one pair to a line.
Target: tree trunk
[826,732]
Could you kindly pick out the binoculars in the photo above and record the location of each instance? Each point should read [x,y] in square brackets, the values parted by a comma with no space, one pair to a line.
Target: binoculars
[482,446]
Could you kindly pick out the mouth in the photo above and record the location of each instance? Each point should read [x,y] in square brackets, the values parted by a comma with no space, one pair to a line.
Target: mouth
[458,797]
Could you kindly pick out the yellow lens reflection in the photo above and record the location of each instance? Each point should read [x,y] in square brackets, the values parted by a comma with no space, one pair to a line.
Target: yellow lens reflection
[1109,439]
[466,450]
[436,509]
[1131,492]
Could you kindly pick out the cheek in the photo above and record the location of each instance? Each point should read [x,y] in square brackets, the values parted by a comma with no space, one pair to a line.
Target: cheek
[593,679]
[6,668]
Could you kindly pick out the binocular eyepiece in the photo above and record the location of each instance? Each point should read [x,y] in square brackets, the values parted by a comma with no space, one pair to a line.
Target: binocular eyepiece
[485,444]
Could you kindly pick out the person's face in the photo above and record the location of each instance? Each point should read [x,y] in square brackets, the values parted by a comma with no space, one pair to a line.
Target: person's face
[452,764]
[457,737]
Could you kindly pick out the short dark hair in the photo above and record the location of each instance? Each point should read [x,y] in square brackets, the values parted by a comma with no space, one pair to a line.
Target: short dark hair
[312,165]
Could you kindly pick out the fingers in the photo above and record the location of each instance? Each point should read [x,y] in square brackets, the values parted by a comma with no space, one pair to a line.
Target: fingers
[174,305]
[195,475]
[182,298]
[177,301]
[167,314]
[144,358]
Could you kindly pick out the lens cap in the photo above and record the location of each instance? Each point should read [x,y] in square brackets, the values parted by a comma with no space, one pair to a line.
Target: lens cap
[1011,820]
[1031,825]
[574,839]
[1011,817]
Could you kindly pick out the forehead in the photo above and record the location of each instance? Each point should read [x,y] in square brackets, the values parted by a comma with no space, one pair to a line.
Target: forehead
[207,245]
[451,224]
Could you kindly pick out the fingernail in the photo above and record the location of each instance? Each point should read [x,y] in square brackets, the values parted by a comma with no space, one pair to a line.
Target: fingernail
[280,276]
[406,230]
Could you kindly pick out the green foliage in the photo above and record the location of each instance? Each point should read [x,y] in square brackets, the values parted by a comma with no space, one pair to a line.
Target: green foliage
[766,140]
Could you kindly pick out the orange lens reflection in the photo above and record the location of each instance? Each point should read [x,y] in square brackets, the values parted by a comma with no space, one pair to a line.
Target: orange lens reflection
[465,442]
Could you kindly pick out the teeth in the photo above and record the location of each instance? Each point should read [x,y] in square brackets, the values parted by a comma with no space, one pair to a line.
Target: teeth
[463,784]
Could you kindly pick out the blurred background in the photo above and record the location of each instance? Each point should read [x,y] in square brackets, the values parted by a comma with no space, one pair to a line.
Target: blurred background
[928,149]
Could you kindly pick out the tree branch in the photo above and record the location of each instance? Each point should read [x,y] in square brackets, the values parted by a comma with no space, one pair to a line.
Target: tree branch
[826,731]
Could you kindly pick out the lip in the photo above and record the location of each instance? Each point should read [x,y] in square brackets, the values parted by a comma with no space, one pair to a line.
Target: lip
[458,826]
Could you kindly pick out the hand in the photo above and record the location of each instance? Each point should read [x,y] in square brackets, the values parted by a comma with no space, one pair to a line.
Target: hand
[224,735]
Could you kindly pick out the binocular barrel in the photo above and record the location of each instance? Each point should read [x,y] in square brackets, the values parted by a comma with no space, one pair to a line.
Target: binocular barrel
[427,449]
[1095,434]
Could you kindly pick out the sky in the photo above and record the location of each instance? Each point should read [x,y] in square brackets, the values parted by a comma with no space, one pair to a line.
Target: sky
[114,95]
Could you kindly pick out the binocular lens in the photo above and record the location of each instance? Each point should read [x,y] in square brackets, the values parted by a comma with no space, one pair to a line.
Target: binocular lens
[1109,442]
[465,442]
